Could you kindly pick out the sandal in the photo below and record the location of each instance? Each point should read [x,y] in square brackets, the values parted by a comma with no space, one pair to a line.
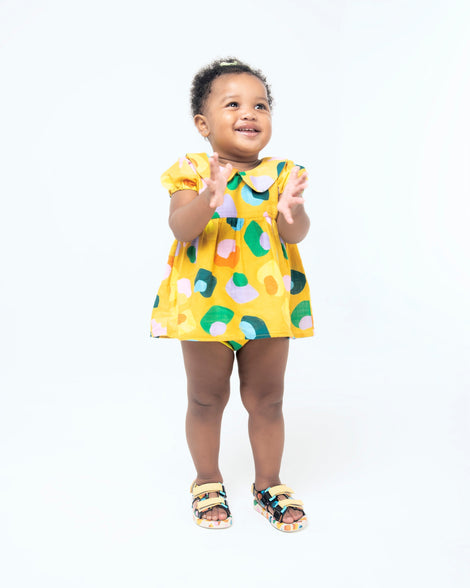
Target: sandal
[201,503]
[268,499]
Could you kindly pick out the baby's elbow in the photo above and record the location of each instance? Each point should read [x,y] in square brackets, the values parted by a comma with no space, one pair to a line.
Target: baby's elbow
[173,227]
[183,234]
[180,235]
[292,239]
[293,234]
[176,230]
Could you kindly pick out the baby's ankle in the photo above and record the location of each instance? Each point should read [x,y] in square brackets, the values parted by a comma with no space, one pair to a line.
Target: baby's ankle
[209,478]
[263,483]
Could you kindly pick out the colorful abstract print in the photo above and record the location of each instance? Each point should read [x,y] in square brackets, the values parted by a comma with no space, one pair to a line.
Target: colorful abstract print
[238,280]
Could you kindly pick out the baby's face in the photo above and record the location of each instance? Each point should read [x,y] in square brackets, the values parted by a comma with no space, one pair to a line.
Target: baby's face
[236,117]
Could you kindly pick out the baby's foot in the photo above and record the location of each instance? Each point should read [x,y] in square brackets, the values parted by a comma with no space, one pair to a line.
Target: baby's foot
[291,515]
[216,513]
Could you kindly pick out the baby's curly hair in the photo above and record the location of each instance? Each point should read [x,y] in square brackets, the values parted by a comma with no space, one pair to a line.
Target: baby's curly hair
[202,81]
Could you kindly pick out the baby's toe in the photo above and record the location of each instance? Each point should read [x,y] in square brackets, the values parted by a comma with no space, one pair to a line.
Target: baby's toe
[297,514]
[288,518]
[222,514]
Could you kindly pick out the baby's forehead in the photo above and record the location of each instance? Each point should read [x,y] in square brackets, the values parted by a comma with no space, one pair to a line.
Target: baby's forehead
[237,82]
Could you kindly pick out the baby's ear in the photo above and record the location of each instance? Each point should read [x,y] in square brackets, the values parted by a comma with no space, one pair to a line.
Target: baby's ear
[202,125]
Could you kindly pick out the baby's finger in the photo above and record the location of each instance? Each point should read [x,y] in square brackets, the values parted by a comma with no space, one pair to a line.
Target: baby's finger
[299,190]
[213,200]
[227,170]
[293,175]
[214,164]
[301,186]
[284,210]
[288,217]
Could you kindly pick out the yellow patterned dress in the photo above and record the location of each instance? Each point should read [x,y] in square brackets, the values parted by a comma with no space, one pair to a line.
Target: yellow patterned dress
[238,280]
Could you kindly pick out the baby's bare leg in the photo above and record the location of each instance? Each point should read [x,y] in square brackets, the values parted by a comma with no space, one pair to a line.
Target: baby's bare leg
[208,368]
[261,365]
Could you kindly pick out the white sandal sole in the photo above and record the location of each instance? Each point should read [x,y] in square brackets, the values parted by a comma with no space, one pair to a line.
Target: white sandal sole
[207,524]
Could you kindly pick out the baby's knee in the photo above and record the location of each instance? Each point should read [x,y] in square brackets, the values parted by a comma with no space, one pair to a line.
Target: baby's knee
[208,399]
[265,401]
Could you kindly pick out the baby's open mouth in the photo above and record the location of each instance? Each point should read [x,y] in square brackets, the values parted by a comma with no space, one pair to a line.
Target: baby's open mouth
[247,130]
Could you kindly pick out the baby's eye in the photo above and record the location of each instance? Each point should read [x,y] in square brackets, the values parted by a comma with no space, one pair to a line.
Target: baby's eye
[232,104]
[261,106]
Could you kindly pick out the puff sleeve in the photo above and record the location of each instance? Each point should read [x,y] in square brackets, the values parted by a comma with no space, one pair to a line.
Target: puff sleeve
[284,174]
[182,175]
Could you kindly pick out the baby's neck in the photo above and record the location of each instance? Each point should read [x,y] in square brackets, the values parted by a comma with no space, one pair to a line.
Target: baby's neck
[240,165]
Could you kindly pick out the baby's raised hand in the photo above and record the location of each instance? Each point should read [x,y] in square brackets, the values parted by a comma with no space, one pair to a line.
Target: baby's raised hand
[291,198]
[217,183]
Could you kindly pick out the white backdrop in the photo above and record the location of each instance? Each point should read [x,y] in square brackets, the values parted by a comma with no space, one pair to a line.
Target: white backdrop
[372,97]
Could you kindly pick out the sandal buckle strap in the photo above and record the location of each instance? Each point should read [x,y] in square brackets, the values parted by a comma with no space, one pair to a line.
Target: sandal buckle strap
[290,502]
[206,488]
[207,503]
[280,489]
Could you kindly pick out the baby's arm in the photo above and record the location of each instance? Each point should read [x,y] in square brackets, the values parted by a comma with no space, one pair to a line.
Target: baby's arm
[190,212]
[292,221]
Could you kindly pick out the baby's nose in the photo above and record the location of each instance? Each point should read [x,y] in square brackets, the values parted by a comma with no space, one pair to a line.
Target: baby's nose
[249,114]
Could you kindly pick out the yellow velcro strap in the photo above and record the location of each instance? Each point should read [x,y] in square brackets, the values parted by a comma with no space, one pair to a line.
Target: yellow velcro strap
[291,502]
[206,488]
[207,503]
[281,489]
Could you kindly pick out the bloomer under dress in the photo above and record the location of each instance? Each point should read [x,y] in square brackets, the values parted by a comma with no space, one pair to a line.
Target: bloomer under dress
[238,280]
